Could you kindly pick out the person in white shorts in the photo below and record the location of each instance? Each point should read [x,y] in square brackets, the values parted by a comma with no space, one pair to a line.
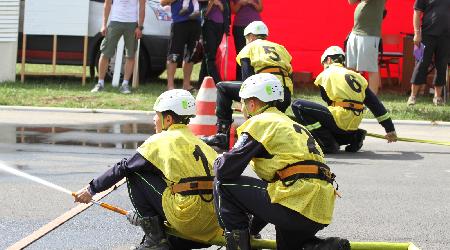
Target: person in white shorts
[363,42]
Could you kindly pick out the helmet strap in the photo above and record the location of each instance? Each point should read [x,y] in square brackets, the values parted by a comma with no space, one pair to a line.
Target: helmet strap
[257,112]
[161,117]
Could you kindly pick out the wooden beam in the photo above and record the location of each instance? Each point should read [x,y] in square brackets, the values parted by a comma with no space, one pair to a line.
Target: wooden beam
[85,48]
[55,46]
[24,49]
[135,82]
[36,235]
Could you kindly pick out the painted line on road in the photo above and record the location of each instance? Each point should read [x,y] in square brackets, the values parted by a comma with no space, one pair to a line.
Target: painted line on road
[52,225]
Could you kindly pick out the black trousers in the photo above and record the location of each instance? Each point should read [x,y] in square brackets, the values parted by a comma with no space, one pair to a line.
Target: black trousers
[308,113]
[145,190]
[237,199]
[212,33]
[439,46]
[239,43]
[227,92]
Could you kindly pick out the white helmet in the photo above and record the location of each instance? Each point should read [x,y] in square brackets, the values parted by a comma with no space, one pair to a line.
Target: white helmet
[331,51]
[179,101]
[264,86]
[256,28]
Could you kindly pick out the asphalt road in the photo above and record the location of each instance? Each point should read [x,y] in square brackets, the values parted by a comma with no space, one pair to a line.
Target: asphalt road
[391,192]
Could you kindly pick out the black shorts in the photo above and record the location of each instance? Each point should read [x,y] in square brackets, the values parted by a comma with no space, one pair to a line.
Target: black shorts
[183,34]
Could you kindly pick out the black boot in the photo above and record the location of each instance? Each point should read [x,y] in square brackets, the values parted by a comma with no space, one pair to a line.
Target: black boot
[222,138]
[357,141]
[155,237]
[238,239]
[331,243]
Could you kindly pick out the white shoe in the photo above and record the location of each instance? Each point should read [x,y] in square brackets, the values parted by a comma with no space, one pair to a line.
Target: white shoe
[124,89]
[411,101]
[97,88]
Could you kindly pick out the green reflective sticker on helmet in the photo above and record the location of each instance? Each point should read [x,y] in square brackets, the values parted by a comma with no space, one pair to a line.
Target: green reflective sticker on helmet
[184,104]
[269,89]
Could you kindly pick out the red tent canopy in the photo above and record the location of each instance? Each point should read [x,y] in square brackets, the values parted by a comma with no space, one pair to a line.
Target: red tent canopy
[307,28]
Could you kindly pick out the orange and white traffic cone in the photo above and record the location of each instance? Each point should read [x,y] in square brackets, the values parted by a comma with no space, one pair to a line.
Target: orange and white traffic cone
[232,136]
[204,122]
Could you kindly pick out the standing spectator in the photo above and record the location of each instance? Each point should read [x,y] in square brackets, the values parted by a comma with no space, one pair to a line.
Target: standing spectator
[216,23]
[246,12]
[124,21]
[184,32]
[363,42]
[431,22]
[185,8]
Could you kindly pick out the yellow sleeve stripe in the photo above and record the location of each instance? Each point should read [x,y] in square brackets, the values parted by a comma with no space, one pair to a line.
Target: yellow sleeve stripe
[384,117]
[313,126]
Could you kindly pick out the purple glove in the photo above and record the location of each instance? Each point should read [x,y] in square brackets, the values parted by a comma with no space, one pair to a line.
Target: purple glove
[418,52]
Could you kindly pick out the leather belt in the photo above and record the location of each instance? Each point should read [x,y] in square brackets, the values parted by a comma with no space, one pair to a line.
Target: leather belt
[275,71]
[349,105]
[193,187]
[305,171]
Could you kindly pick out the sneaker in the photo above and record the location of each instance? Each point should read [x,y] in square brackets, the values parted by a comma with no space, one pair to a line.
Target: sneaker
[124,89]
[411,101]
[357,142]
[97,88]
[438,101]
[192,90]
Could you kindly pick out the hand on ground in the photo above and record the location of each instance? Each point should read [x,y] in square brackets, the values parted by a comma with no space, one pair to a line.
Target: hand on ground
[391,137]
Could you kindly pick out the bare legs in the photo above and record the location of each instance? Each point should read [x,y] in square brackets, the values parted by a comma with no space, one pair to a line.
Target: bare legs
[374,82]
[187,71]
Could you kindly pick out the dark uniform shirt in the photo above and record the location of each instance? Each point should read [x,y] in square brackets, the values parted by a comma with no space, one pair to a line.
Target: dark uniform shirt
[234,162]
[436,16]
[122,169]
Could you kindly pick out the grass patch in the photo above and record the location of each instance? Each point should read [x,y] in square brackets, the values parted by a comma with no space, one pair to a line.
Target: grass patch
[68,92]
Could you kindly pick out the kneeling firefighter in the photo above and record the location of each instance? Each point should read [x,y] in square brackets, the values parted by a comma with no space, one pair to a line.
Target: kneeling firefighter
[347,94]
[169,178]
[294,190]
[258,56]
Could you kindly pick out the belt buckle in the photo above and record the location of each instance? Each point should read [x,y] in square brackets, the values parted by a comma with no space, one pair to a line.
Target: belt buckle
[193,185]
[326,173]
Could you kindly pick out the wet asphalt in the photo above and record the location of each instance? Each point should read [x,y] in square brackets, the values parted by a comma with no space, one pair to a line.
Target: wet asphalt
[391,192]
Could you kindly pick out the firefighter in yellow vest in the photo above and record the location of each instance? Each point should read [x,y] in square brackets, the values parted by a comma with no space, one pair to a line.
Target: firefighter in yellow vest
[294,191]
[169,178]
[346,94]
[258,56]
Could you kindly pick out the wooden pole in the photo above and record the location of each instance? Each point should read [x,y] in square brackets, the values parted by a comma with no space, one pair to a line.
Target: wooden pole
[83,80]
[135,82]
[24,49]
[55,45]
